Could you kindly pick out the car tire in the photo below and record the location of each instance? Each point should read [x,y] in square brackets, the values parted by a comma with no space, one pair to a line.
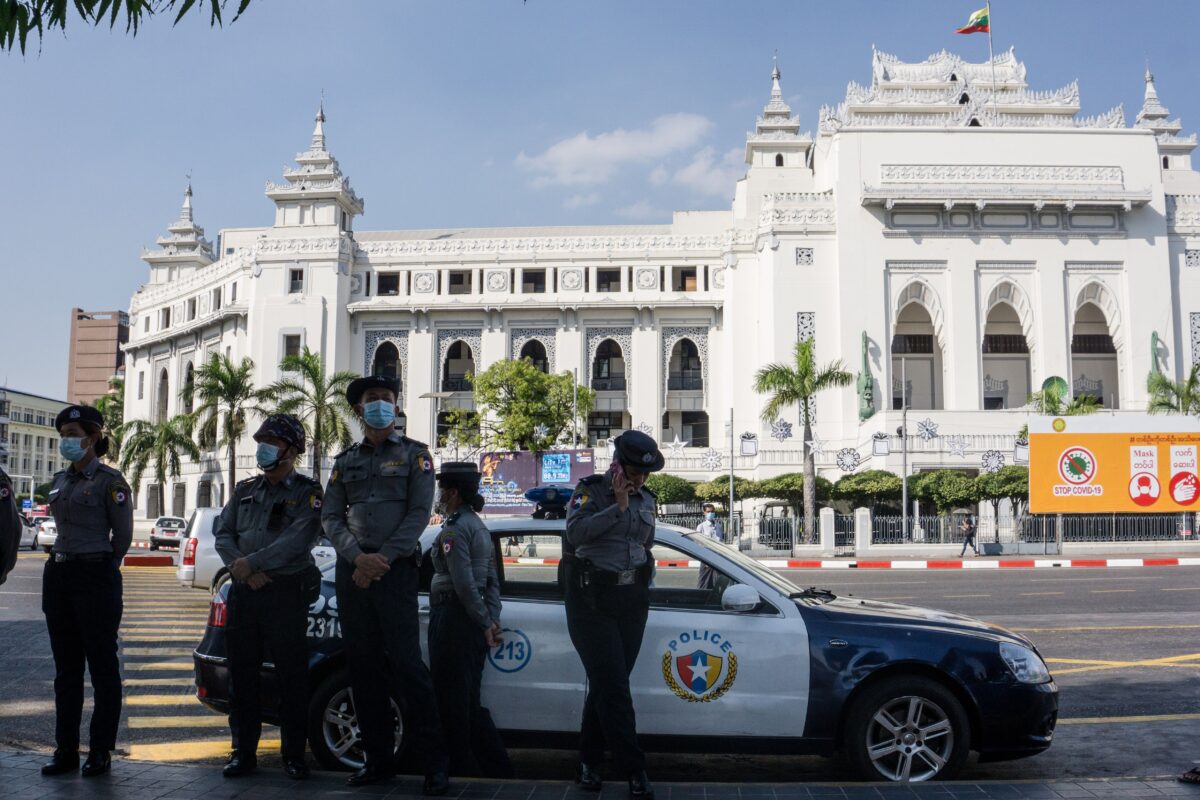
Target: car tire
[907,720]
[154,545]
[333,726]
[47,550]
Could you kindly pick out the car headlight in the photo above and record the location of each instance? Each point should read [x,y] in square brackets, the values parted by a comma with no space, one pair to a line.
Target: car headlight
[1025,665]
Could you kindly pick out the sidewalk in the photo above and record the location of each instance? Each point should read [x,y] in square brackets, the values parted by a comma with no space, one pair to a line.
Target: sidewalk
[130,780]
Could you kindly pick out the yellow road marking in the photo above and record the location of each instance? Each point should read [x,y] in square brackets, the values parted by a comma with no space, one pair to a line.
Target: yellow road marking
[194,750]
[1098,665]
[1111,628]
[182,699]
[948,596]
[157,638]
[152,651]
[1184,589]
[1038,594]
[160,682]
[1136,718]
[151,666]
[180,721]
[1110,591]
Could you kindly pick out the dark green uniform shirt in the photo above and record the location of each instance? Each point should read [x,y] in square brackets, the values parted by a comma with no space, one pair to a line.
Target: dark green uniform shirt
[93,510]
[275,527]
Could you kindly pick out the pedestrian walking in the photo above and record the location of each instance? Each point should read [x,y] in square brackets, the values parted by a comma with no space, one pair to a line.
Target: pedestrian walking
[81,590]
[968,529]
[377,503]
[464,622]
[10,525]
[265,536]
[607,567]
[710,526]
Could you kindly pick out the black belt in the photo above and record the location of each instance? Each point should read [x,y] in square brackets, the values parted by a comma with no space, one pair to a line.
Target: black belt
[447,597]
[61,557]
[594,576]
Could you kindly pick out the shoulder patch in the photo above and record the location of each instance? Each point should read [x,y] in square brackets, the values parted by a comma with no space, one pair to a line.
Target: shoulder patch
[119,493]
[425,462]
[579,499]
[333,476]
[5,492]
[315,498]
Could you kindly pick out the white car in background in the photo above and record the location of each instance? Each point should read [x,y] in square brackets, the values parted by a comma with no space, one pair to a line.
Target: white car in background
[45,535]
[167,531]
[28,535]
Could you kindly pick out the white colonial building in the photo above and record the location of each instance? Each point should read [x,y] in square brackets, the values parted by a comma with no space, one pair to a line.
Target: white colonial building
[955,237]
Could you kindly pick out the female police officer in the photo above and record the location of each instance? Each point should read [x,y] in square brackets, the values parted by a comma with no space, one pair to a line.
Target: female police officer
[464,621]
[607,571]
[81,589]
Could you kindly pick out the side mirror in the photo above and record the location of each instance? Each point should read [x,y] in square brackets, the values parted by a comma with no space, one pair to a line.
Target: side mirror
[740,597]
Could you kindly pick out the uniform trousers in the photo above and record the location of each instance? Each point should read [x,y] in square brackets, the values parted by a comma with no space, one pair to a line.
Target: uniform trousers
[269,623]
[457,650]
[383,645]
[82,601]
[606,624]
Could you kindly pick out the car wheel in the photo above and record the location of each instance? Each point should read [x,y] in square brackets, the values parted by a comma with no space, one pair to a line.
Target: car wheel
[333,724]
[222,578]
[907,729]
[48,549]
[154,545]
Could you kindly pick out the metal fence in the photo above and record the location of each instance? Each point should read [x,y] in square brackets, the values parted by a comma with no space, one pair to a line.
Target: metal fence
[692,519]
[843,534]
[926,529]
[1109,528]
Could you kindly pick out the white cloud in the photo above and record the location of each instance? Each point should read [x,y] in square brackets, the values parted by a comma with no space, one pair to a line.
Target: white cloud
[643,211]
[659,176]
[709,175]
[581,200]
[584,160]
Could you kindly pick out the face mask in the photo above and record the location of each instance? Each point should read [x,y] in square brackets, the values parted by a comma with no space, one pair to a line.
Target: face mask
[71,448]
[711,515]
[379,413]
[267,455]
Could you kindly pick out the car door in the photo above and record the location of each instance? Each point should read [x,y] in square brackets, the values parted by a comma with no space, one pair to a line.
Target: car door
[704,671]
[534,680]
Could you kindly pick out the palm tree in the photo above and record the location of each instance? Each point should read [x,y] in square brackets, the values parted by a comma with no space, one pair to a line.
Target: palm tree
[1174,397]
[227,396]
[112,407]
[799,383]
[318,401]
[1053,403]
[157,445]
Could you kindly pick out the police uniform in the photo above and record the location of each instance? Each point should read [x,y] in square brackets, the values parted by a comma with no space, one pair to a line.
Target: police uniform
[607,572]
[464,599]
[10,527]
[274,526]
[378,500]
[82,598]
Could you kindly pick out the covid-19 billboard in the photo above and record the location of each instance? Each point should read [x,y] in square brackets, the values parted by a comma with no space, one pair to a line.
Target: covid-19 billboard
[1106,463]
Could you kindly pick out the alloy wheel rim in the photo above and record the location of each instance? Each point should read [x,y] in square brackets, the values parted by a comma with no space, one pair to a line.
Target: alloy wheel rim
[910,738]
[339,728]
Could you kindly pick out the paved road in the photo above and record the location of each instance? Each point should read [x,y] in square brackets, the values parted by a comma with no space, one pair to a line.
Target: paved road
[1123,644]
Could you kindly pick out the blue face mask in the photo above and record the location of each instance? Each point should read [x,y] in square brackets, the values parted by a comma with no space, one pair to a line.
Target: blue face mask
[267,455]
[379,413]
[711,515]
[71,448]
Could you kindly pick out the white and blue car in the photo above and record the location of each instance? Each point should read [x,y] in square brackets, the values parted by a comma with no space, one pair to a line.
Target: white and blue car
[735,659]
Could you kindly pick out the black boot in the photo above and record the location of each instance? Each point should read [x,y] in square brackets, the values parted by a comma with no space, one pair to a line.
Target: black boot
[296,769]
[239,765]
[588,778]
[436,784]
[370,773]
[62,762]
[98,762]
[639,786]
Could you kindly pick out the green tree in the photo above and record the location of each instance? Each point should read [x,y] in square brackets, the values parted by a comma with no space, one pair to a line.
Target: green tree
[1054,403]
[789,487]
[1174,397]
[868,489]
[112,407]
[921,484]
[717,490]
[317,399]
[525,408]
[42,492]
[672,488]
[227,398]
[954,490]
[1009,483]
[798,384]
[159,447]
[19,18]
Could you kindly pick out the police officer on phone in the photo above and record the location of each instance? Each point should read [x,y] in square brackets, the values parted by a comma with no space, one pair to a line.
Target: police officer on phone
[81,590]
[607,571]
[464,622]
[265,536]
[377,504]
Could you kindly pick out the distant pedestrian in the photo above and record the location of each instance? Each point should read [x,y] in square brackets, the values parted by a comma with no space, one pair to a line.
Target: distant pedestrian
[11,525]
[265,536]
[968,529]
[710,526]
[81,590]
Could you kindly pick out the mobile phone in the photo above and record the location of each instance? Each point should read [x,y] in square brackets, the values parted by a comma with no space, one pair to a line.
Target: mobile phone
[616,469]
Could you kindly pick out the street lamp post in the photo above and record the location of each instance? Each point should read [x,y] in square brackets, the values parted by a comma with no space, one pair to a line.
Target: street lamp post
[433,406]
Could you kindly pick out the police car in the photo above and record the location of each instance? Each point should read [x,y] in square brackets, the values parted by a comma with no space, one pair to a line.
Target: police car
[735,658]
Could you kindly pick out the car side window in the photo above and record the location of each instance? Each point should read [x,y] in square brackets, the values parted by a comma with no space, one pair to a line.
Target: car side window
[683,582]
[538,577]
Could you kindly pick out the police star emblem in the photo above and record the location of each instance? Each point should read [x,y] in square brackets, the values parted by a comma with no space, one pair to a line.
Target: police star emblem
[426,463]
[315,502]
[119,495]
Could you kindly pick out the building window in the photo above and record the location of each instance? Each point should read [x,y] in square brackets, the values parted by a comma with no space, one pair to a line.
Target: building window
[291,345]
[164,319]
[460,363]
[912,344]
[604,425]
[141,385]
[189,386]
[387,362]
[460,282]
[233,292]
[1009,343]
[535,351]
[695,428]
[779,159]
[533,281]
[685,279]
[146,324]
[608,280]
[216,299]
[388,284]
[295,281]
[191,309]
[684,370]
[1093,343]
[163,396]
[608,370]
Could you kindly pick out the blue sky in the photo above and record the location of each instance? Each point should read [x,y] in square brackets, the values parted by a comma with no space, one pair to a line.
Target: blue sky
[456,113]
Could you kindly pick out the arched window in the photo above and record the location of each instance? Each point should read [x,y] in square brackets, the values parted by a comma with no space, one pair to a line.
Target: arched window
[161,411]
[1166,162]
[974,123]
[1094,356]
[459,364]
[189,384]
[608,370]
[684,371]
[1006,376]
[916,360]
[387,361]
[535,351]
[779,159]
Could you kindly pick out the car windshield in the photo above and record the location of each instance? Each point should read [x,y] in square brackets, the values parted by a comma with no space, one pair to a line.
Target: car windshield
[776,581]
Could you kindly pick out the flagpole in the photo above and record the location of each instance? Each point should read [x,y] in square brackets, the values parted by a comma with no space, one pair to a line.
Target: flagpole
[991,57]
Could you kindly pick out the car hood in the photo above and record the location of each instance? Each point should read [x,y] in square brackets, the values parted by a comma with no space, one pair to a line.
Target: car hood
[862,611]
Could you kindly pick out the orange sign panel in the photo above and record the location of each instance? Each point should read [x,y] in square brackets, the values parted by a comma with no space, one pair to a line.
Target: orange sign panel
[1082,465]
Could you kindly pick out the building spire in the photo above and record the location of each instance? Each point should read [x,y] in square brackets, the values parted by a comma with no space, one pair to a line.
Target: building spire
[776,92]
[185,214]
[318,137]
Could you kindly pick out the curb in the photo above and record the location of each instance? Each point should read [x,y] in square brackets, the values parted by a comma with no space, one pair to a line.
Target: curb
[139,560]
[1030,563]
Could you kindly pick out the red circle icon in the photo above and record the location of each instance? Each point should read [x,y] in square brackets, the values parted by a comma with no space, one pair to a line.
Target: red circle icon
[1144,489]
[1077,466]
[1184,488]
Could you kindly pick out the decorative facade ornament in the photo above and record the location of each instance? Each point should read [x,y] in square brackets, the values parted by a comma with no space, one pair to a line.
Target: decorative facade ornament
[711,459]
[519,337]
[570,279]
[671,336]
[645,428]
[1194,325]
[496,280]
[540,431]
[956,444]
[781,429]
[866,384]
[373,338]
[717,277]
[448,336]
[622,336]
[927,430]
[677,446]
[804,256]
[646,278]
[817,445]
[573,245]
[1191,258]
[992,461]
[424,282]
[848,459]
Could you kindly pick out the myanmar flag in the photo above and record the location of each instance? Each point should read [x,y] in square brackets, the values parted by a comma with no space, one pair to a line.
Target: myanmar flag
[977,23]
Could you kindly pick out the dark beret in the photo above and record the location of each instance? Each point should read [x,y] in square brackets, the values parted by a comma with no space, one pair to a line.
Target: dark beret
[358,386]
[463,470]
[85,414]
[283,426]
[639,451]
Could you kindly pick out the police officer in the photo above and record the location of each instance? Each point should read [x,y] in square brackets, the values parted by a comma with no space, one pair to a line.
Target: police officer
[607,572]
[464,622]
[81,589]
[265,536]
[10,525]
[377,503]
